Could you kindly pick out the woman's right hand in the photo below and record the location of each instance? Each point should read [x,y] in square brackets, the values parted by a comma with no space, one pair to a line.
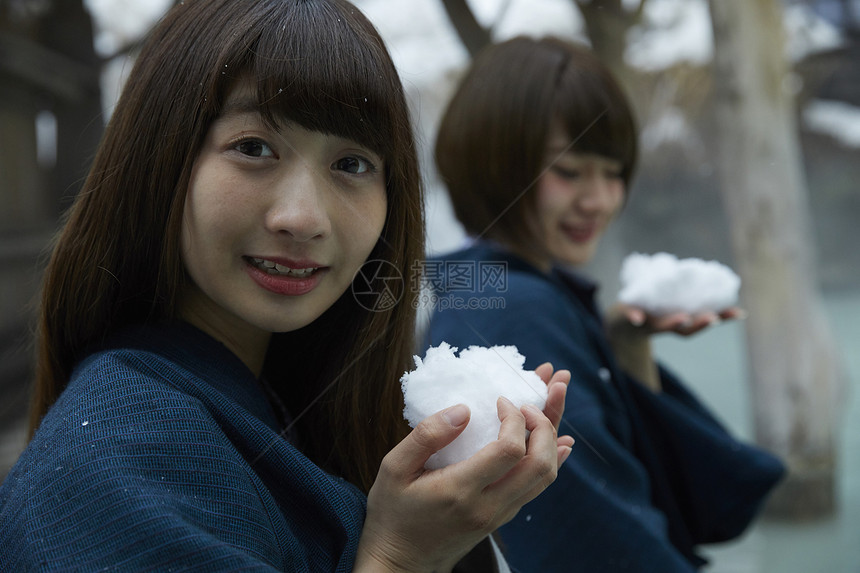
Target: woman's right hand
[427,520]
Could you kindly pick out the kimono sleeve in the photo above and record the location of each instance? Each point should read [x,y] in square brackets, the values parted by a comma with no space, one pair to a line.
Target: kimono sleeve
[129,475]
[718,482]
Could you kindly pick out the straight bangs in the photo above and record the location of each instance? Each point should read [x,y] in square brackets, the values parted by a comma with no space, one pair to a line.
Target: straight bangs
[595,112]
[320,65]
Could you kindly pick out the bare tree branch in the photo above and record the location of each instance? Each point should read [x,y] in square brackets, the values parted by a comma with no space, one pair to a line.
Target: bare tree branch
[473,35]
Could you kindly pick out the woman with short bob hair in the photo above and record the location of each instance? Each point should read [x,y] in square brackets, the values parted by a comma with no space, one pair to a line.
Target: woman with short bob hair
[211,391]
[537,148]
[499,119]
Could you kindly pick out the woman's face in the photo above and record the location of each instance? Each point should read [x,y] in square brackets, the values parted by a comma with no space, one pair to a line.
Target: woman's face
[276,224]
[577,197]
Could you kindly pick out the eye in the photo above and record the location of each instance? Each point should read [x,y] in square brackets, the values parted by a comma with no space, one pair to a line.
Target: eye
[354,164]
[254,148]
[564,172]
[612,173]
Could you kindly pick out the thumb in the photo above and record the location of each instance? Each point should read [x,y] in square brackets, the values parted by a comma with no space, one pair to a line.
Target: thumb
[428,437]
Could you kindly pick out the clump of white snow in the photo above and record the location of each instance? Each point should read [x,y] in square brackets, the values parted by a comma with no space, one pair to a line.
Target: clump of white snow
[838,119]
[672,31]
[476,378]
[662,284]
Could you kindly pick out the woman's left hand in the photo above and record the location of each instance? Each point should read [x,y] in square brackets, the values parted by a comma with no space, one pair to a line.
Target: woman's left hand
[682,323]
[630,328]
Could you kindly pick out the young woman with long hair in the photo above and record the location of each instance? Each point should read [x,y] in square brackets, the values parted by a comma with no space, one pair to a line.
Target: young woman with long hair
[210,395]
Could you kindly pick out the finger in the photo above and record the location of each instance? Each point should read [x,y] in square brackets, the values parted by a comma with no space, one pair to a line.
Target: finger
[538,468]
[498,457]
[562,376]
[542,432]
[708,319]
[554,409]
[544,371]
[698,322]
[733,313]
[636,316]
[677,321]
[563,453]
[407,458]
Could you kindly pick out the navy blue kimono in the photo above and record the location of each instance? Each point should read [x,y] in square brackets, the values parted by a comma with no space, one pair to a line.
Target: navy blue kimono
[651,476]
[163,454]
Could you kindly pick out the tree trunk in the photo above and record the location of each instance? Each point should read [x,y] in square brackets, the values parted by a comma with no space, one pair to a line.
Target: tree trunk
[471,33]
[793,365]
[607,23]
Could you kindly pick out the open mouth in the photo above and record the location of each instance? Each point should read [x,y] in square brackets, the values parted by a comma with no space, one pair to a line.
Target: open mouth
[274,268]
[579,234]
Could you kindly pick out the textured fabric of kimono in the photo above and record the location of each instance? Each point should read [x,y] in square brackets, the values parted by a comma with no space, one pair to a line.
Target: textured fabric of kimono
[651,476]
[164,454]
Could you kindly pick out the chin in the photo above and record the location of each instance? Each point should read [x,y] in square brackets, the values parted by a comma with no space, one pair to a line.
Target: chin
[578,258]
[286,320]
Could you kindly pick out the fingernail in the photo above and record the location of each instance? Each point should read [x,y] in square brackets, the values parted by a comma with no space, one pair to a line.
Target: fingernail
[532,408]
[565,454]
[456,415]
[637,320]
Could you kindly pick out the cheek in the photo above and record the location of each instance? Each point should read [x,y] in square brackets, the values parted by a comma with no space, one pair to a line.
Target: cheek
[552,199]
[619,196]
[363,224]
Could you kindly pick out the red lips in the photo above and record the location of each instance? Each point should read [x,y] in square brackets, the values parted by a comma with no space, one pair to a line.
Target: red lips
[580,234]
[285,284]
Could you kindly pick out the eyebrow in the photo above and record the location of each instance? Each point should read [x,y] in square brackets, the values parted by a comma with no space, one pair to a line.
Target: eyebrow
[239,106]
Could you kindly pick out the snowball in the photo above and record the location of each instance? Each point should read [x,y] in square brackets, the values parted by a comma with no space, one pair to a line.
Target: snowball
[477,378]
[663,284]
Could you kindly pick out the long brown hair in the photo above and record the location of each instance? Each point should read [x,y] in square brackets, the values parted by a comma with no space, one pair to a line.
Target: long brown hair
[116,262]
[492,139]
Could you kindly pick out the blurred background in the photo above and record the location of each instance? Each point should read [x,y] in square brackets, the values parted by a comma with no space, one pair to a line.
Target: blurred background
[705,78]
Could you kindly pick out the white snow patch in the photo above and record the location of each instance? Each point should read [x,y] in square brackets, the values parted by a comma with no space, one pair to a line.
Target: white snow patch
[838,119]
[121,22]
[806,32]
[673,31]
[477,378]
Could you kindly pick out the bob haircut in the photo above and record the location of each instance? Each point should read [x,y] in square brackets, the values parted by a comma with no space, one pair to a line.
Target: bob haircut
[491,144]
[116,262]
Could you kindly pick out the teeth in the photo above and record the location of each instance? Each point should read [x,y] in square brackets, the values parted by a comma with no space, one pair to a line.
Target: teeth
[276,269]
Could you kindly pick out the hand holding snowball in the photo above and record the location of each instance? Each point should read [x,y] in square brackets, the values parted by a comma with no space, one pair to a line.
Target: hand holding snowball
[476,378]
[661,293]
[421,520]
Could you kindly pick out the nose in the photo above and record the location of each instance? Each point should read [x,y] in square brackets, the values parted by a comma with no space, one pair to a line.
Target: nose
[599,192]
[299,206]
